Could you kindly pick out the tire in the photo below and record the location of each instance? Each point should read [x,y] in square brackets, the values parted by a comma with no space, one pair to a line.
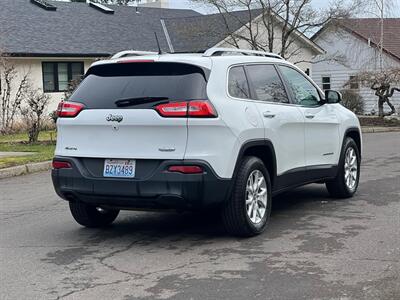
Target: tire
[341,186]
[236,219]
[90,216]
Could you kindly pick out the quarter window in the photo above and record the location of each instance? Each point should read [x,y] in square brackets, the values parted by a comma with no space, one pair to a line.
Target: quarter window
[57,75]
[266,83]
[326,83]
[238,86]
[304,92]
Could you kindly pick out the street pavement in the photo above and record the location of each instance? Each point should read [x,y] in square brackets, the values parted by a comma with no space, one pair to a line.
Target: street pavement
[314,248]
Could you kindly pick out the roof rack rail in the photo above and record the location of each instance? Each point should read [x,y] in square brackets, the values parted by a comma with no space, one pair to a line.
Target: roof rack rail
[132,53]
[220,51]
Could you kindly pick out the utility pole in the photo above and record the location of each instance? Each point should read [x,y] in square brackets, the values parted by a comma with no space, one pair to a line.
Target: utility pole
[381,38]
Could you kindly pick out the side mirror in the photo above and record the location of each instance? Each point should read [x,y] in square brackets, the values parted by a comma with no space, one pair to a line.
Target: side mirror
[332,96]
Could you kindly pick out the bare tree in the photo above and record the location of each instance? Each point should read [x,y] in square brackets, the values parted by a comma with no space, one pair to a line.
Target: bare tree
[381,9]
[12,92]
[34,111]
[275,25]
[384,83]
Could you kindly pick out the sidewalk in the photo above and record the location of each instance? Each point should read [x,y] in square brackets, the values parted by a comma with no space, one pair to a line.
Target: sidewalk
[379,129]
[14,154]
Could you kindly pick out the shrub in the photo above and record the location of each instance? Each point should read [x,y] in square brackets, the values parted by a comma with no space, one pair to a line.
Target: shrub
[34,112]
[353,101]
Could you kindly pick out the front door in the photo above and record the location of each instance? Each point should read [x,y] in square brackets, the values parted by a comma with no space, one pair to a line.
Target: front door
[321,121]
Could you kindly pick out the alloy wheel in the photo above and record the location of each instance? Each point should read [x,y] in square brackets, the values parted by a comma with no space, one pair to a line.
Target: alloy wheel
[350,168]
[256,196]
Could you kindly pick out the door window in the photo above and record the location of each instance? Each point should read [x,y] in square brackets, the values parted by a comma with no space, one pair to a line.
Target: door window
[266,83]
[238,86]
[304,92]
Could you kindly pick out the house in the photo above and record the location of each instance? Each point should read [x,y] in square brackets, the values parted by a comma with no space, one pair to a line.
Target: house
[57,41]
[352,46]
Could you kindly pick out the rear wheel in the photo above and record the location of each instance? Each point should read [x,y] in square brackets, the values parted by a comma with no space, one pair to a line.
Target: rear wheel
[247,213]
[92,216]
[346,182]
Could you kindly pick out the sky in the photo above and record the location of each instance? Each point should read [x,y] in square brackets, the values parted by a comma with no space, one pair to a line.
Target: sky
[393,12]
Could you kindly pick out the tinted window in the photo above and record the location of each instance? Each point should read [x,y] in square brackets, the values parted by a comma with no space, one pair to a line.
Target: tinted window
[303,91]
[267,84]
[106,84]
[238,86]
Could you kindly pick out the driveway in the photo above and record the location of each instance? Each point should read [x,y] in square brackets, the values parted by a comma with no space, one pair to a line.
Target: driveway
[315,247]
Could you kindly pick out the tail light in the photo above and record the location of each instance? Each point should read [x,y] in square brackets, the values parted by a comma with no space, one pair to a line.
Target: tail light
[69,109]
[61,165]
[186,169]
[193,109]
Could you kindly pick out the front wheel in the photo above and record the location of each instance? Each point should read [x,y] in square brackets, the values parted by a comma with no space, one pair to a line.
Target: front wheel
[346,182]
[92,216]
[248,211]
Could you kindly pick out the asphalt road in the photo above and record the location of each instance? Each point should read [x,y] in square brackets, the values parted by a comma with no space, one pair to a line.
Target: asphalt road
[314,248]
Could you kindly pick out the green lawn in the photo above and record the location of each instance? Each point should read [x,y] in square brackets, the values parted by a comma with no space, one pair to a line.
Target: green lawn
[44,150]
[23,137]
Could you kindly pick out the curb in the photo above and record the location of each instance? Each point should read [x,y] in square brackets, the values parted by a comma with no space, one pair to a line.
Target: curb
[25,169]
[379,129]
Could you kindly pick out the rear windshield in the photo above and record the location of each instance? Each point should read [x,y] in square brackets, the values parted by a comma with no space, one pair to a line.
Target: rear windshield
[140,85]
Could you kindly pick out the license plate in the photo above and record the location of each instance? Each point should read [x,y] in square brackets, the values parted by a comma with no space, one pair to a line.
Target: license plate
[124,168]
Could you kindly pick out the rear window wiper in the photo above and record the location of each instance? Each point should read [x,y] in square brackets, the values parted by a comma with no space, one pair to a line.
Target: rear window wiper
[139,100]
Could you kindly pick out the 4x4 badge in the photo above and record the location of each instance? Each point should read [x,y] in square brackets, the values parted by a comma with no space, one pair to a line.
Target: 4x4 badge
[114,118]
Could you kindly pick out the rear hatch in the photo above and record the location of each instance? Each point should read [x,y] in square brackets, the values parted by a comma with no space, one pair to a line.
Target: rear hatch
[131,110]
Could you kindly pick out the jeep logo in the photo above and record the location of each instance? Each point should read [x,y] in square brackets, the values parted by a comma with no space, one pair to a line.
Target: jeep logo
[114,118]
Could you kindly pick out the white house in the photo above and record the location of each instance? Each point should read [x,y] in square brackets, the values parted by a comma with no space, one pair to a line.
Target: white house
[352,46]
[56,42]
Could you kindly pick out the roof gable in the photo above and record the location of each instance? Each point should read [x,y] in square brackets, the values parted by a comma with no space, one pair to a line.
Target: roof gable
[198,33]
[368,30]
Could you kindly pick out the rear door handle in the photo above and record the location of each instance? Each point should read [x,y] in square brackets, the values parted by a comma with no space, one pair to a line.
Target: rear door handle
[269,115]
[310,116]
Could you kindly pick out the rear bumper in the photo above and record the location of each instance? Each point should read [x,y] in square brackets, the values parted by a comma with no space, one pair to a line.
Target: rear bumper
[157,189]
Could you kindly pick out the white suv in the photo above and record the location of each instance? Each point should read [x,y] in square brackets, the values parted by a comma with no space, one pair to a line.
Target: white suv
[227,130]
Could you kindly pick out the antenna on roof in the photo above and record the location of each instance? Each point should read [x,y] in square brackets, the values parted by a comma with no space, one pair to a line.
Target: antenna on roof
[158,43]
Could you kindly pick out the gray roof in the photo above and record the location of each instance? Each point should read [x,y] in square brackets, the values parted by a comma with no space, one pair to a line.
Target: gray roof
[198,33]
[75,29]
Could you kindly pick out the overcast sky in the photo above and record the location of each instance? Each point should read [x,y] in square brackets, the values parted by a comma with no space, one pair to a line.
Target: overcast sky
[394,9]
